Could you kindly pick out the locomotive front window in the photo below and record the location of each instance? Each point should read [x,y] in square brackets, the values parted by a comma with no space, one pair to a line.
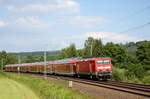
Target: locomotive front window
[103,61]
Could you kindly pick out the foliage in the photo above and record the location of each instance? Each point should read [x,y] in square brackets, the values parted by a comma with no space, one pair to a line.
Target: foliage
[136,70]
[68,52]
[93,48]
[45,89]
[88,46]
[80,52]
[131,47]
[97,50]
[146,79]
[6,58]
[134,79]
[51,55]
[118,74]
[31,59]
[143,53]
[117,52]
[131,59]
[11,59]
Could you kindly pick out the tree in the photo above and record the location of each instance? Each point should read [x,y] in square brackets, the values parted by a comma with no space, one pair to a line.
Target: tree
[30,59]
[40,58]
[97,48]
[88,46]
[131,47]
[6,58]
[68,52]
[130,59]
[72,52]
[117,52]
[93,48]
[80,53]
[11,59]
[143,53]
[3,56]
[136,70]
[63,53]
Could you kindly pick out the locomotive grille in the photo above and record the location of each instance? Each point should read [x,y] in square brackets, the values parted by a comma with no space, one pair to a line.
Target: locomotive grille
[104,73]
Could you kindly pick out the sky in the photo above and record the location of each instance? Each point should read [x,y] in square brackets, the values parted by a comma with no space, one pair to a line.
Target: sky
[36,25]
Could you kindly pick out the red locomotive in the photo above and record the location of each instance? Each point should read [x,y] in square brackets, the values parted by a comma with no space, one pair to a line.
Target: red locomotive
[100,68]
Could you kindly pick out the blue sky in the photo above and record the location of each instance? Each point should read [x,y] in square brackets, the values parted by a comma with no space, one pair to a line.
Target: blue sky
[35,25]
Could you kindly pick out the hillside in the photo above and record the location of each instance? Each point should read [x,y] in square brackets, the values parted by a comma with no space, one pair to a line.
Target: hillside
[37,53]
[51,55]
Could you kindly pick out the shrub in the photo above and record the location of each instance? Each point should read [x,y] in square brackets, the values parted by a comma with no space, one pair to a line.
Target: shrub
[134,79]
[135,70]
[146,79]
[118,74]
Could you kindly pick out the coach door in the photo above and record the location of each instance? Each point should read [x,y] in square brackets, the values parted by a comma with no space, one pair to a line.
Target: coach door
[90,68]
[72,68]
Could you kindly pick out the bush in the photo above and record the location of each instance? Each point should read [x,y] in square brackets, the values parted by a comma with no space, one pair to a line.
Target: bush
[135,70]
[146,79]
[134,79]
[118,74]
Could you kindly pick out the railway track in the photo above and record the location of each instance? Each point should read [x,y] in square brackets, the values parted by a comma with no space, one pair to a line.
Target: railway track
[141,87]
[138,89]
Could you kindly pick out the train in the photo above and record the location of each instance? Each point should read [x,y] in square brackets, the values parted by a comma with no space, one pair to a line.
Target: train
[94,68]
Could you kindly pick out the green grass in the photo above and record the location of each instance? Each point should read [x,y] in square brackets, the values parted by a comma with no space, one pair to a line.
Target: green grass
[45,89]
[10,89]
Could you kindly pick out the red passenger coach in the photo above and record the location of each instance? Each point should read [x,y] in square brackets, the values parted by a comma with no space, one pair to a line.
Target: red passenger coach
[100,68]
[65,67]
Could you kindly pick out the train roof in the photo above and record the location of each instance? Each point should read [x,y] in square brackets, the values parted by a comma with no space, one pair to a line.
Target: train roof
[26,64]
[95,58]
[63,61]
[66,61]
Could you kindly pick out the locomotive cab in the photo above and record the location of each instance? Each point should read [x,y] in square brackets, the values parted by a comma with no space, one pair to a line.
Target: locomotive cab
[104,68]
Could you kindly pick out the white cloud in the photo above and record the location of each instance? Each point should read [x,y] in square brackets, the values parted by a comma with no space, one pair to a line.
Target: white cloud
[32,21]
[3,23]
[57,6]
[51,7]
[87,21]
[112,36]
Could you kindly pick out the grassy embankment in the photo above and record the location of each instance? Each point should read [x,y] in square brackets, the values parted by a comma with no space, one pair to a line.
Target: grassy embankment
[45,89]
[10,89]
